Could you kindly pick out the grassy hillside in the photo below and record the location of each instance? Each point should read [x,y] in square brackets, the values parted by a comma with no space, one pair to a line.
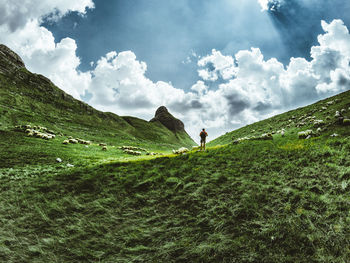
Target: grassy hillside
[279,200]
[285,200]
[290,121]
[31,99]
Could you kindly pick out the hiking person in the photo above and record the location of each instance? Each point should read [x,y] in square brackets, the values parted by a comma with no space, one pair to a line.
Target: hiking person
[203,136]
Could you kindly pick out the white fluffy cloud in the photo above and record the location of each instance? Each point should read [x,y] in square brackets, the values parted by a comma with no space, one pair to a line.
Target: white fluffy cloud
[270,4]
[20,30]
[259,88]
[217,65]
[119,85]
[233,90]
[16,14]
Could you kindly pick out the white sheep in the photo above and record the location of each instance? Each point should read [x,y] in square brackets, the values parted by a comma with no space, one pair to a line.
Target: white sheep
[305,134]
[282,132]
[318,123]
[181,150]
[266,136]
[73,141]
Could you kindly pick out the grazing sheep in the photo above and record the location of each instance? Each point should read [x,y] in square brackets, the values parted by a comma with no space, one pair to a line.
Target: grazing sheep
[133,148]
[305,134]
[181,150]
[334,135]
[70,165]
[318,123]
[282,133]
[102,144]
[59,160]
[337,114]
[65,142]
[131,152]
[238,140]
[73,141]
[104,148]
[324,108]
[330,102]
[343,111]
[266,136]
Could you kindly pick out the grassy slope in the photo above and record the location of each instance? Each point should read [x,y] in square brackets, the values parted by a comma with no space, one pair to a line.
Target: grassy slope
[263,201]
[282,120]
[285,200]
[26,98]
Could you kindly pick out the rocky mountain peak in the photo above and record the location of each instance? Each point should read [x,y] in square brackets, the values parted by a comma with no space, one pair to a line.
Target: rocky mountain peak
[9,60]
[164,117]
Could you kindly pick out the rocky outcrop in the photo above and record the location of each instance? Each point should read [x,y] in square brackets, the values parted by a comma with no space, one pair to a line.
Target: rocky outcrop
[164,117]
[9,60]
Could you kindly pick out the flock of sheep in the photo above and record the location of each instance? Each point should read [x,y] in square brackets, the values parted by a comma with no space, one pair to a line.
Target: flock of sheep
[306,120]
[44,133]
[36,131]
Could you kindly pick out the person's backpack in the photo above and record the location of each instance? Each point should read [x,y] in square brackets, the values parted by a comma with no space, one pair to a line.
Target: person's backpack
[203,134]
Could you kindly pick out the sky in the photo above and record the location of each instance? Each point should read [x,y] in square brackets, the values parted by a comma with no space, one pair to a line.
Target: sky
[217,64]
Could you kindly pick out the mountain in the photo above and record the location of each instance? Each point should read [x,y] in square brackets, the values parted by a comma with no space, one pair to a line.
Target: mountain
[27,98]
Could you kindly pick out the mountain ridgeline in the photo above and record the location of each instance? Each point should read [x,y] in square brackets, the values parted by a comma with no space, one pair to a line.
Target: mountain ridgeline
[27,98]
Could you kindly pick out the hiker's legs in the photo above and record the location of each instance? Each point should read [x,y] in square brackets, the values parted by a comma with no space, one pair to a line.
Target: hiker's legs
[204,145]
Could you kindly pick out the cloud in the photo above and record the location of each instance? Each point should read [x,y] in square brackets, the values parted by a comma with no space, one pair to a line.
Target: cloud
[119,84]
[217,65]
[233,90]
[16,14]
[20,30]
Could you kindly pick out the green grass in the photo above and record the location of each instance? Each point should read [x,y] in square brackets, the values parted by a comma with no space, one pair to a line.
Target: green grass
[285,200]
[281,200]
[27,98]
[282,121]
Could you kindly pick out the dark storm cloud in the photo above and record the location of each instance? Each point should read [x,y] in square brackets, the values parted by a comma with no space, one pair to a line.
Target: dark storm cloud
[345,82]
[186,106]
[195,104]
[236,104]
[262,107]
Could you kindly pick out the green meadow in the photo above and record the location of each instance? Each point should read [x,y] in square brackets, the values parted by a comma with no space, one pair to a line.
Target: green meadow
[283,199]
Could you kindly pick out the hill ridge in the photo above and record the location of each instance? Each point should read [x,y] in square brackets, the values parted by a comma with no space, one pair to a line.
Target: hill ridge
[27,97]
